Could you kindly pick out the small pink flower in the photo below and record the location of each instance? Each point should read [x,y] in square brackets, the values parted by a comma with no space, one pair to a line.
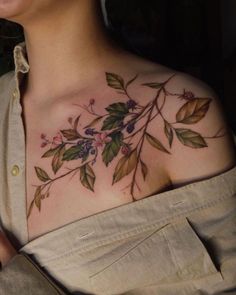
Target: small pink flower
[188,95]
[101,138]
[91,101]
[43,136]
[57,140]
[45,140]
[125,150]
[43,144]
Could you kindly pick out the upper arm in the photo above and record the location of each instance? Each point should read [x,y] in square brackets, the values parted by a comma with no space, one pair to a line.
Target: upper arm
[202,138]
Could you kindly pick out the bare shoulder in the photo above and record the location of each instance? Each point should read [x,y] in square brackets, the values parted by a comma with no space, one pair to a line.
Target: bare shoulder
[194,127]
[188,120]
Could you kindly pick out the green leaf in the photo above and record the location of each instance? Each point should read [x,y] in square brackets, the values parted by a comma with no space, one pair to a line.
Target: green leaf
[51,152]
[87,176]
[111,122]
[112,148]
[70,134]
[42,175]
[125,165]
[37,198]
[193,111]
[115,81]
[94,122]
[57,159]
[71,153]
[144,169]
[190,138]
[168,132]
[118,109]
[156,143]
[153,85]
[117,113]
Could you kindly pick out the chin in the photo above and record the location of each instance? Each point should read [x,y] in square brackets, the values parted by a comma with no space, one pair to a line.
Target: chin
[13,9]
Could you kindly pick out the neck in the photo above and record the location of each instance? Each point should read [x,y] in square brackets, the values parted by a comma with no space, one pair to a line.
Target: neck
[66,50]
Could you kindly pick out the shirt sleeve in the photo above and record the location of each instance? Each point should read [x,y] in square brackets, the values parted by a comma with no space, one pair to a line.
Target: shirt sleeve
[22,273]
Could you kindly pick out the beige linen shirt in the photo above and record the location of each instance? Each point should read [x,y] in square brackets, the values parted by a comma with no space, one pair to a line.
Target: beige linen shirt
[12,152]
[156,245]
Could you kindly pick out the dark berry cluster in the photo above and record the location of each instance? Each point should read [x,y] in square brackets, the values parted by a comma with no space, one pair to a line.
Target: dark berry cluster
[131,104]
[130,127]
[90,131]
[86,147]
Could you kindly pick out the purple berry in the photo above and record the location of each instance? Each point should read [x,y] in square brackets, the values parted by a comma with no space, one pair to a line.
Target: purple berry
[79,142]
[89,131]
[80,154]
[88,144]
[92,151]
[130,128]
[121,124]
[188,95]
[131,104]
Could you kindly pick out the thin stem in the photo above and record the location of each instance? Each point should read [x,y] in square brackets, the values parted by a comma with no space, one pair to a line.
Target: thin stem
[141,128]
[90,112]
[216,135]
[157,107]
[141,141]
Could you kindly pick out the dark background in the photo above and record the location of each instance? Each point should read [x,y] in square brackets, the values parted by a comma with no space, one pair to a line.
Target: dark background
[194,36]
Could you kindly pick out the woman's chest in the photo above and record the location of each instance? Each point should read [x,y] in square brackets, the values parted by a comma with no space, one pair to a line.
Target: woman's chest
[74,170]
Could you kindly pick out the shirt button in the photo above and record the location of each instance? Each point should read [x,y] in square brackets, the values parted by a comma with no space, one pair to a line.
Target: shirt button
[15,170]
[15,93]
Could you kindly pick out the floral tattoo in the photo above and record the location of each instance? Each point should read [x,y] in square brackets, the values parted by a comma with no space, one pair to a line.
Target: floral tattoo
[115,138]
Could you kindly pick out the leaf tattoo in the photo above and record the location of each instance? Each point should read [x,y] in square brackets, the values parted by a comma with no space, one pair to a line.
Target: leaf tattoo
[125,165]
[112,135]
[190,138]
[87,176]
[193,111]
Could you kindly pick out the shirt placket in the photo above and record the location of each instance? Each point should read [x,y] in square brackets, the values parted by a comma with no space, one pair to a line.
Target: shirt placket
[17,167]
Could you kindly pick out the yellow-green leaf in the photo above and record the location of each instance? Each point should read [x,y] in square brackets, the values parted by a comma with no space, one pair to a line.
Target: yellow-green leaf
[115,81]
[144,169]
[87,176]
[37,197]
[42,175]
[51,152]
[94,122]
[70,134]
[190,138]
[57,161]
[76,122]
[168,132]
[30,208]
[125,165]
[153,85]
[156,143]
[193,111]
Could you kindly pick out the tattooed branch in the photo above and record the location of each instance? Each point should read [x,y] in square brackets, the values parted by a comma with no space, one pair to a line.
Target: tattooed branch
[112,135]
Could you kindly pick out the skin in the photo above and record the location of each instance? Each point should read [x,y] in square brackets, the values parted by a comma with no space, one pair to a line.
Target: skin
[60,77]
[7,251]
